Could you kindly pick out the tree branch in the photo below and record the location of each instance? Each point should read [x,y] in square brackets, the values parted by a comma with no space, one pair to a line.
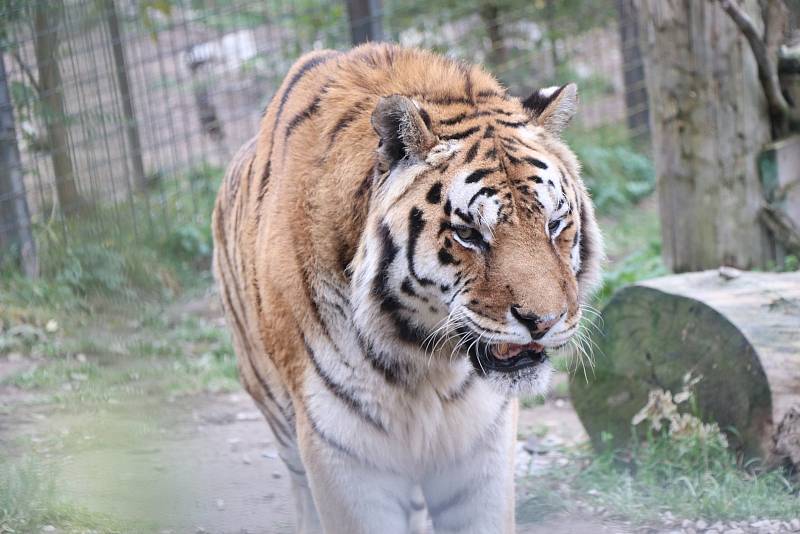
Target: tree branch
[26,71]
[781,226]
[767,71]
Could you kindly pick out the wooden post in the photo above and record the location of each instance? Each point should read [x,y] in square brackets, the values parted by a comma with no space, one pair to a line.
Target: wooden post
[709,121]
[365,20]
[15,219]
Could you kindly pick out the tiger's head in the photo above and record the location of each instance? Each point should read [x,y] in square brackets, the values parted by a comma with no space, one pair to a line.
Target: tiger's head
[481,240]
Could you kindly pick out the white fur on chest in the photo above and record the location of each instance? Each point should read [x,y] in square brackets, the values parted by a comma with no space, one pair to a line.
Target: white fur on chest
[420,429]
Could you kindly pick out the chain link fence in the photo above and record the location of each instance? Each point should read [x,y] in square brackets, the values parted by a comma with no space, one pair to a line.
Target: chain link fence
[118,115]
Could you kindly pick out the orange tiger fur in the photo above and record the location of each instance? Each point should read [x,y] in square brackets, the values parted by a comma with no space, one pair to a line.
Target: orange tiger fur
[313,215]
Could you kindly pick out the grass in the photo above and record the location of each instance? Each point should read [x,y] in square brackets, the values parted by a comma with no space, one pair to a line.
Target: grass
[186,357]
[690,479]
[677,464]
[28,501]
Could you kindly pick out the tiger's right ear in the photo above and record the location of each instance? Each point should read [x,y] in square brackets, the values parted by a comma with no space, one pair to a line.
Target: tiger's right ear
[403,129]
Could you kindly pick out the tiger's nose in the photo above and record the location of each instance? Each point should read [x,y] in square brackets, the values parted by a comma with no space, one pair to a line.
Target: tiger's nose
[537,325]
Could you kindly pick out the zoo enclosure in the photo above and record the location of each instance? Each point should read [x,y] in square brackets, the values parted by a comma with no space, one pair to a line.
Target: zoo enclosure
[118,114]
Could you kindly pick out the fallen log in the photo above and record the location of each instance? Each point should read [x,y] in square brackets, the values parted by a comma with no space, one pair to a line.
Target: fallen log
[739,331]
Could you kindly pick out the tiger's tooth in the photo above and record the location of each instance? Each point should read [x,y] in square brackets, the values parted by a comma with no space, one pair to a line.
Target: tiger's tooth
[502,348]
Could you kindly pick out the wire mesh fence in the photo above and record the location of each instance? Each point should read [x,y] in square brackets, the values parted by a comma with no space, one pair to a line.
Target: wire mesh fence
[119,114]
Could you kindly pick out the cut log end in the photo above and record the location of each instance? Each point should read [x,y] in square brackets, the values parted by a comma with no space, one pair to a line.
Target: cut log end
[740,334]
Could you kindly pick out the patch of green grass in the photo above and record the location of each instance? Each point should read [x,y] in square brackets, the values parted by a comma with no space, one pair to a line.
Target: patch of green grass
[679,464]
[28,502]
[163,359]
[690,479]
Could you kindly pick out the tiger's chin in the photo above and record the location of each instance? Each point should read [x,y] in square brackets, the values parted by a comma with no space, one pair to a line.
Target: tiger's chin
[513,369]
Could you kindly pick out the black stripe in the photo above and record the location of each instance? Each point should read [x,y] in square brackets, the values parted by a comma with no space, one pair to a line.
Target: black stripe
[503,112]
[587,247]
[301,117]
[392,372]
[512,124]
[390,304]
[342,394]
[466,217]
[488,191]
[345,120]
[380,284]
[445,258]
[462,389]
[487,93]
[472,152]
[434,195]
[479,174]
[292,469]
[249,349]
[302,71]
[415,226]
[535,162]
[425,116]
[453,120]
[462,134]
[329,440]
[445,100]
[262,186]
[407,288]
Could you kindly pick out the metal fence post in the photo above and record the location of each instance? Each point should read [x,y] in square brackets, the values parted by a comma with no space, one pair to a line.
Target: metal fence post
[365,20]
[15,219]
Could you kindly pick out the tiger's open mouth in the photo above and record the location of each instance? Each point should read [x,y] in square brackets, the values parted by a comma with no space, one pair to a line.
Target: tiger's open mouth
[506,357]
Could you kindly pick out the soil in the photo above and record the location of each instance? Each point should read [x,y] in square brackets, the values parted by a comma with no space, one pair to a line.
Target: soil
[207,463]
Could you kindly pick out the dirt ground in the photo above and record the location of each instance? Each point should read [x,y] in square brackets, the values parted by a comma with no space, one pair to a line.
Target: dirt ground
[207,463]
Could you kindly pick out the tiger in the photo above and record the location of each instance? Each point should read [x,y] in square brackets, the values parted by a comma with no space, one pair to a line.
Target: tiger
[396,250]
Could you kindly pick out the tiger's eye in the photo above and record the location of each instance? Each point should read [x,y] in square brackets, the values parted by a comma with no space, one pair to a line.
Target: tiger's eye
[468,234]
[553,226]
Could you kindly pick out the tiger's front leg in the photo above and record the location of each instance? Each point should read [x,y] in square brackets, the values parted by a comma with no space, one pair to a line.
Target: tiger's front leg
[352,497]
[476,495]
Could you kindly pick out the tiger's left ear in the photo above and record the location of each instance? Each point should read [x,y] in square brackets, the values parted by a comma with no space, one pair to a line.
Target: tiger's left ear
[553,107]
[403,129]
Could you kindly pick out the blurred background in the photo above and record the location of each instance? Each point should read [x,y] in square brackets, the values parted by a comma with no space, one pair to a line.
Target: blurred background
[120,409]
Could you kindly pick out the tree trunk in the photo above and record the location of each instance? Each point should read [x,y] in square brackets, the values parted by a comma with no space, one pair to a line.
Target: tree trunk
[490,14]
[709,121]
[365,20]
[551,23]
[121,70]
[15,219]
[739,331]
[51,94]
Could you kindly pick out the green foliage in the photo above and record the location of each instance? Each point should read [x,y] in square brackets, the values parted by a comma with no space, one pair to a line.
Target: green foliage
[112,251]
[615,170]
[639,265]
